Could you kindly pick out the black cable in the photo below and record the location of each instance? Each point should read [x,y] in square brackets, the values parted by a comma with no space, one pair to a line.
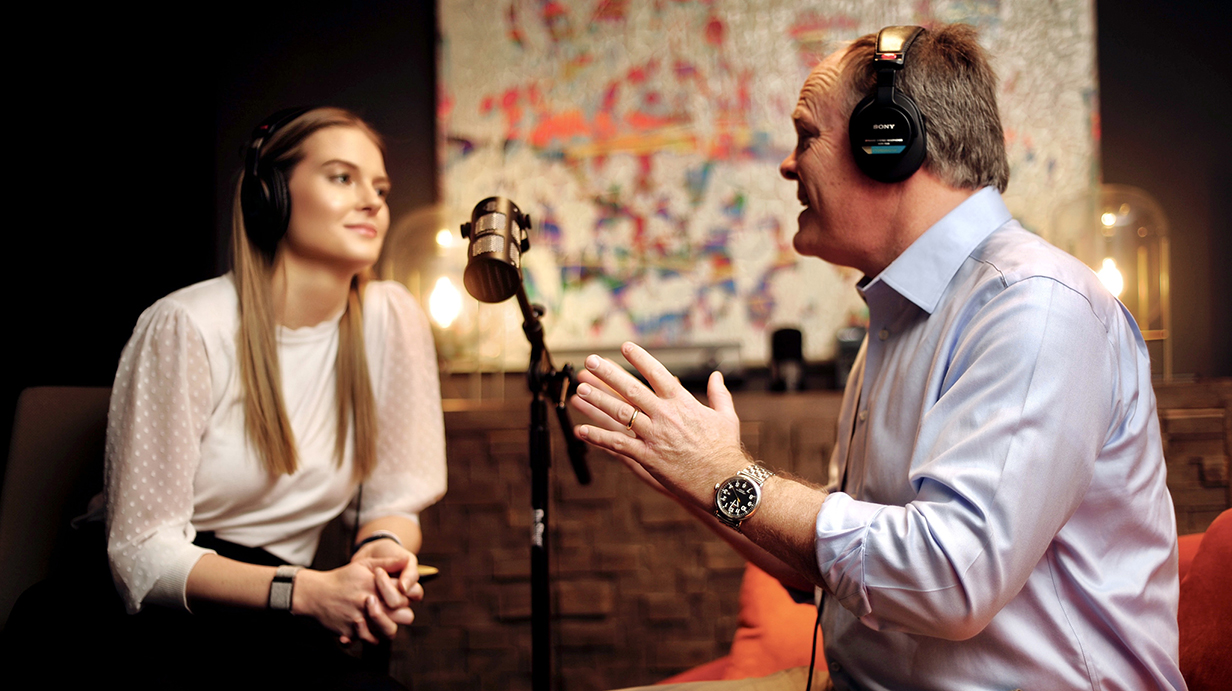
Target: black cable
[359,505]
[813,653]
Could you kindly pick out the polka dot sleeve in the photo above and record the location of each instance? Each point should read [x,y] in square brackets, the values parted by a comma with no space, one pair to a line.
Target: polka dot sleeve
[410,471]
[160,406]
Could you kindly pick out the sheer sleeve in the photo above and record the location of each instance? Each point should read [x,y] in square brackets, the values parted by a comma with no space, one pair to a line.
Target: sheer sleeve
[160,406]
[410,471]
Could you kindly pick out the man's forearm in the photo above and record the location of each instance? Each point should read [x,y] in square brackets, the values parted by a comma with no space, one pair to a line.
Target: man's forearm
[785,526]
[779,537]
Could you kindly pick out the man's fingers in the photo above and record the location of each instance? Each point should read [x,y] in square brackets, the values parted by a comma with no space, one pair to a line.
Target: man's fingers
[720,397]
[608,412]
[596,416]
[617,442]
[623,384]
[587,377]
[661,380]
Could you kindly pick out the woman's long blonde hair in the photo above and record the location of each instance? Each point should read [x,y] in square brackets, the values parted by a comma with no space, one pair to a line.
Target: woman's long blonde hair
[265,412]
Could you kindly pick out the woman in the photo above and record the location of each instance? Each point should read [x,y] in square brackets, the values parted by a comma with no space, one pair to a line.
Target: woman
[247,411]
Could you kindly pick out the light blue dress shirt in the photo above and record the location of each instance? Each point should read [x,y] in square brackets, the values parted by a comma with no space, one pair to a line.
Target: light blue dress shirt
[1003,520]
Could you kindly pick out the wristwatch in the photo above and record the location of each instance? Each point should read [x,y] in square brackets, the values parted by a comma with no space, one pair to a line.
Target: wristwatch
[282,588]
[738,497]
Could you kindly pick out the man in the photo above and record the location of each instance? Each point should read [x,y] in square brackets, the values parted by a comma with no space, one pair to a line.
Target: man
[1000,518]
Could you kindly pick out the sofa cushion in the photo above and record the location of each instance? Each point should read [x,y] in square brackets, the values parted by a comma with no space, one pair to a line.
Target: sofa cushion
[774,633]
[1187,547]
[1205,610]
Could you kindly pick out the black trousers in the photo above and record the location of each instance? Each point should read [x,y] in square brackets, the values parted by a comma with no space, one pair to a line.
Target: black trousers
[72,628]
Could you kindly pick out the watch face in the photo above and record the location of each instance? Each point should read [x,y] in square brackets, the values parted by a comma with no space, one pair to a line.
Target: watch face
[737,498]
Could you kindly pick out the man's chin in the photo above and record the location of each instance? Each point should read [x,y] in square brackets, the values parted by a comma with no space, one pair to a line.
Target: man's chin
[805,241]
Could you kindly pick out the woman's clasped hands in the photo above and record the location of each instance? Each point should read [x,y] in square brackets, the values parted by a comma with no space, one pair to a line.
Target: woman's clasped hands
[365,599]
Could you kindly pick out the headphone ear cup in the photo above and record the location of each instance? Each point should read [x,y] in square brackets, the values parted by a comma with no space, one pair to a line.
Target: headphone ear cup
[266,203]
[265,199]
[279,205]
[888,140]
[253,203]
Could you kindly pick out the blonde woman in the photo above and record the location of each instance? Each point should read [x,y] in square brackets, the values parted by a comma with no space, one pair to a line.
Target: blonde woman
[251,409]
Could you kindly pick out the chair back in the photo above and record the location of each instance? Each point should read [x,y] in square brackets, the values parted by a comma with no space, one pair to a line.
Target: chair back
[55,465]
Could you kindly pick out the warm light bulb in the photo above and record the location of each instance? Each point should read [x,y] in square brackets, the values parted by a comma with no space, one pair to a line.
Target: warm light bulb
[445,302]
[1110,276]
[1108,219]
[444,238]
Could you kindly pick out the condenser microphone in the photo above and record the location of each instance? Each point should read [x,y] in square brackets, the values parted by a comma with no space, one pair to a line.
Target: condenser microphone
[498,236]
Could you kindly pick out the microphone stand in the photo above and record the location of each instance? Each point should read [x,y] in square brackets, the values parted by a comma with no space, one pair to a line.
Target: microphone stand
[546,384]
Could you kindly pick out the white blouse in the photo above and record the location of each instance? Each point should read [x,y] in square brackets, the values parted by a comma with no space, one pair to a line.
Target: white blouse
[179,459]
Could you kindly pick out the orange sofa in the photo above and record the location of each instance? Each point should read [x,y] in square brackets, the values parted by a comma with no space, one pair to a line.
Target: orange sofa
[774,631]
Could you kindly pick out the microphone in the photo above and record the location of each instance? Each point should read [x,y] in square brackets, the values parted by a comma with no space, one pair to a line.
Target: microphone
[498,236]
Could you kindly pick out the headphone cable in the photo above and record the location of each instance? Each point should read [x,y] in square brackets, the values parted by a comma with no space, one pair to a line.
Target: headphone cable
[813,653]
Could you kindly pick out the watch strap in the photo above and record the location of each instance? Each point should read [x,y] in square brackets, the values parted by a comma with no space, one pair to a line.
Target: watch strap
[757,473]
[282,588]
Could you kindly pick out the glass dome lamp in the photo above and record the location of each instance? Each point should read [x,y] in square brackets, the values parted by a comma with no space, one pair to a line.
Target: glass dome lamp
[1124,239]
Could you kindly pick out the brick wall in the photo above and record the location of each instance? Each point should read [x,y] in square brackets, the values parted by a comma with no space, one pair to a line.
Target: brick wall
[640,591]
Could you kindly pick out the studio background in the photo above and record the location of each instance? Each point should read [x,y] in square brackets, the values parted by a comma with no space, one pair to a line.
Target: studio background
[124,164]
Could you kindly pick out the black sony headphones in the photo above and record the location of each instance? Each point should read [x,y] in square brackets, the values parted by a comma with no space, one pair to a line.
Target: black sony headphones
[264,196]
[887,130]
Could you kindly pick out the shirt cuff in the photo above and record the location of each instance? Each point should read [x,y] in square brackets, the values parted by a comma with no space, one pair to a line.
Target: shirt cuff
[842,525]
[171,588]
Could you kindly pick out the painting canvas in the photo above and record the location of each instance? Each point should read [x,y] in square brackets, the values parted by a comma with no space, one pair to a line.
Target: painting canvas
[644,137]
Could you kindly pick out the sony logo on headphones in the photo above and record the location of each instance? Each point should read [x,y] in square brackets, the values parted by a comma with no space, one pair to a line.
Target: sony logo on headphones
[883,126]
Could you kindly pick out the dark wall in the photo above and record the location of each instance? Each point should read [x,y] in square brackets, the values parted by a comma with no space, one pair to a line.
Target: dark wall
[375,58]
[122,177]
[1167,128]
[125,173]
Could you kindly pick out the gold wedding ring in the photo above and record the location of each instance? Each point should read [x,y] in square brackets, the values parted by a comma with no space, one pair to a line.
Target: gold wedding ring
[632,418]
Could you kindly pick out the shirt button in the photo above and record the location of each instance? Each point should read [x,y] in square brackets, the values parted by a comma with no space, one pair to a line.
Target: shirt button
[863,415]
[835,667]
[883,334]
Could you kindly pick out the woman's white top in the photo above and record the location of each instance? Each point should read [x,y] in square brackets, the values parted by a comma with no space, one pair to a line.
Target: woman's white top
[179,459]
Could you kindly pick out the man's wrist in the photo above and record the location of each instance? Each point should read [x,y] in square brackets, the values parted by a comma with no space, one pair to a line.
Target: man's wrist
[738,497]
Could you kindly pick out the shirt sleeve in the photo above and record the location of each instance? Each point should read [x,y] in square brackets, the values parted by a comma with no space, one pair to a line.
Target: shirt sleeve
[160,405]
[410,472]
[1001,461]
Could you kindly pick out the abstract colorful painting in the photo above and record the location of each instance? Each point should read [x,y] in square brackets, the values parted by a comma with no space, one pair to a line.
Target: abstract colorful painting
[644,137]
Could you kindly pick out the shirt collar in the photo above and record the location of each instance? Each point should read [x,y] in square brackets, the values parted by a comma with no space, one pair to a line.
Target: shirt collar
[922,272]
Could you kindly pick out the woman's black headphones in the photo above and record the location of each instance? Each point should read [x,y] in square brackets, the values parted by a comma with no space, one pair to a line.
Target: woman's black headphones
[264,196]
[887,132]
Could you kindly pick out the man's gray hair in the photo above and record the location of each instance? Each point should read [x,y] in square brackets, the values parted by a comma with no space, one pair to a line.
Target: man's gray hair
[948,76]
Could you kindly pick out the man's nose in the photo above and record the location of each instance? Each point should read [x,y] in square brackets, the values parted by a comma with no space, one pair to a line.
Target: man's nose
[788,167]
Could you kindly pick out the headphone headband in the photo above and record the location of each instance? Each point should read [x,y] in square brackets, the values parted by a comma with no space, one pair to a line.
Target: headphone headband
[892,45]
[264,131]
